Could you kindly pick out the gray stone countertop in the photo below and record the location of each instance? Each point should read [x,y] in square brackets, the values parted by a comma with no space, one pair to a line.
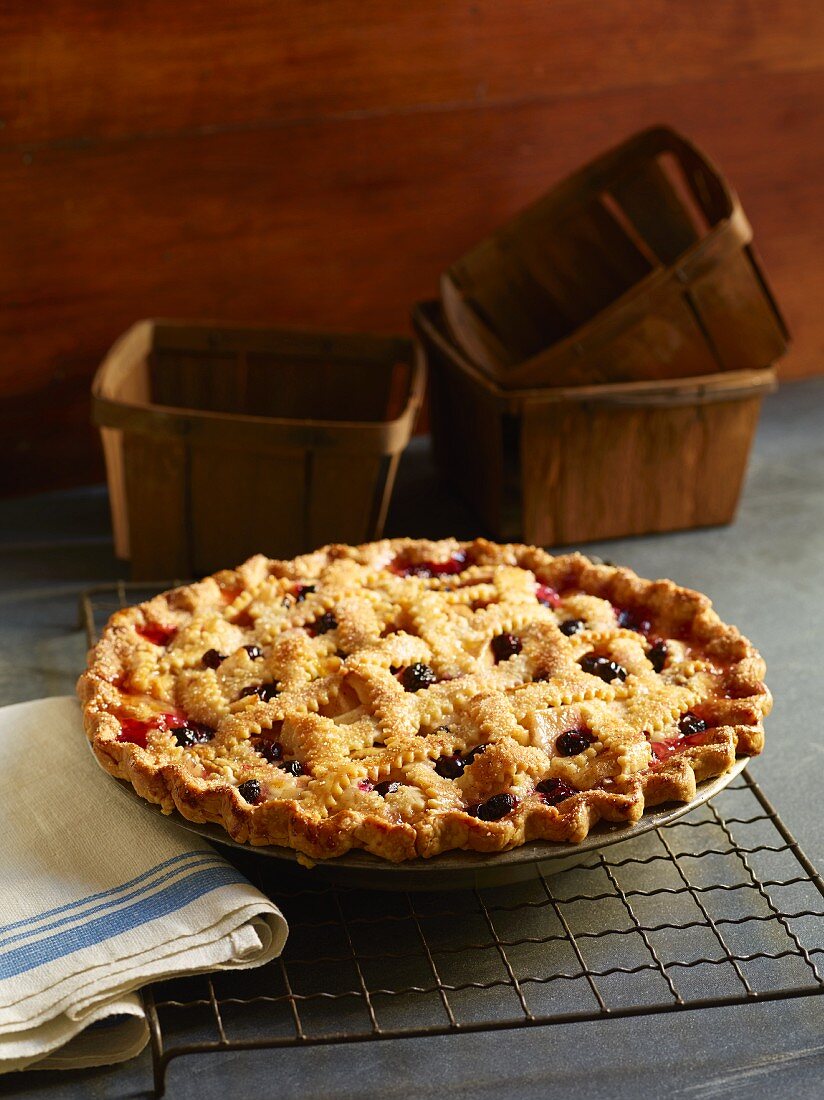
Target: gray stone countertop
[765,573]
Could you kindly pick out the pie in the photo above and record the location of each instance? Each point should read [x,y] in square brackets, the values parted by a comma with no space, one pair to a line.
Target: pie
[409,697]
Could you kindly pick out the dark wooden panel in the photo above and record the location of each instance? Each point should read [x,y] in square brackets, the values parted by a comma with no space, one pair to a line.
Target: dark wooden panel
[81,70]
[344,222]
[48,440]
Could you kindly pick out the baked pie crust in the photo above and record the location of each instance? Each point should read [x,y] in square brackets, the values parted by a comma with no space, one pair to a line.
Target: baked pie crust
[409,697]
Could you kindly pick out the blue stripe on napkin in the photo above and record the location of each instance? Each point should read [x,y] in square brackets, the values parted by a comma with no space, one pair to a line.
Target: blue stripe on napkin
[112,903]
[97,897]
[176,896]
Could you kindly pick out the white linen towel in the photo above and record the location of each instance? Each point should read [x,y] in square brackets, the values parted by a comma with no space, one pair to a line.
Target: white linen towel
[98,897]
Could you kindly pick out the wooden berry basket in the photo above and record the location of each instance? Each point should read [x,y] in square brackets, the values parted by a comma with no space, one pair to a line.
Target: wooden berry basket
[222,442]
[638,266]
[564,465]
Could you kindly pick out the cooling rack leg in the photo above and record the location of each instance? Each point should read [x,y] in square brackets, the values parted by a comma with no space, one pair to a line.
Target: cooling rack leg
[159,1057]
[159,1066]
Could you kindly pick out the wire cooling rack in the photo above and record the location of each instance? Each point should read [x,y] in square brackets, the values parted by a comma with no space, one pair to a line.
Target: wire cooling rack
[719,908]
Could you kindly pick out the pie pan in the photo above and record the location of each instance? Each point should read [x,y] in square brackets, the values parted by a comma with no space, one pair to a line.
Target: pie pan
[458,870]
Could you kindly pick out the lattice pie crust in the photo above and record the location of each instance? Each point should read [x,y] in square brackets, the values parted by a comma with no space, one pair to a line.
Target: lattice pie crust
[410,697]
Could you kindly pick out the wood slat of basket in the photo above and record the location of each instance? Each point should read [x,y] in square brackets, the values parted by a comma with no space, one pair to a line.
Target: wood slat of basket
[656,330]
[206,479]
[468,439]
[583,262]
[198,380]
[345,496]
[648,199]
[234,501]
[558,465]
[151,500]
[727,290]
[653,484]
[543,300]
[471,330]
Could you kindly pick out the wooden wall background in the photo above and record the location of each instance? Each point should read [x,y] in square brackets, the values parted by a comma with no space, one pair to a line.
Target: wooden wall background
[319,161]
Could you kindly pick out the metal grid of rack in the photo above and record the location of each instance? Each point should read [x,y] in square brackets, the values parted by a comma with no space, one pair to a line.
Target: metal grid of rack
[719,908]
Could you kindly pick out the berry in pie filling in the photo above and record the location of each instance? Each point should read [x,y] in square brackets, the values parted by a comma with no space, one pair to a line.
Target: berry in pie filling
[324,624]
[270,750]
[192,733]
[450,767]
[384,789]
[555,791]
[250,791]
[496,807]
[266,692]
[657,655]
[602,666]
[212,659]
[473,696]
[571,626]
[690,723]
[505,646]
[470,756]
[573,742]
[632,620]
[417,676]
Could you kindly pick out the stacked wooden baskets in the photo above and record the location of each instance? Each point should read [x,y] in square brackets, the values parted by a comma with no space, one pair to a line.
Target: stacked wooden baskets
[597,365]
[597,368]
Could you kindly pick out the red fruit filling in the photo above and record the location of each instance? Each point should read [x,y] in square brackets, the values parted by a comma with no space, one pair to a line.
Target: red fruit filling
[403,568]
[157,635]
[663,750]
[547,596]
[136,730]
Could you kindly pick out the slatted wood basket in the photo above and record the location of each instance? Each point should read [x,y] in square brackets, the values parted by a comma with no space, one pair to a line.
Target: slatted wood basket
[222,442]
[640,265]
[571,464]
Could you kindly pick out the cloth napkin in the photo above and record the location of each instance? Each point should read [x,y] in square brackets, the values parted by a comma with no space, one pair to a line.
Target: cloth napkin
[100,895]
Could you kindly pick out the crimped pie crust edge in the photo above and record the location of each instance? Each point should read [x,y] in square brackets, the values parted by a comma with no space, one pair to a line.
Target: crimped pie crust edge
[283,821]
